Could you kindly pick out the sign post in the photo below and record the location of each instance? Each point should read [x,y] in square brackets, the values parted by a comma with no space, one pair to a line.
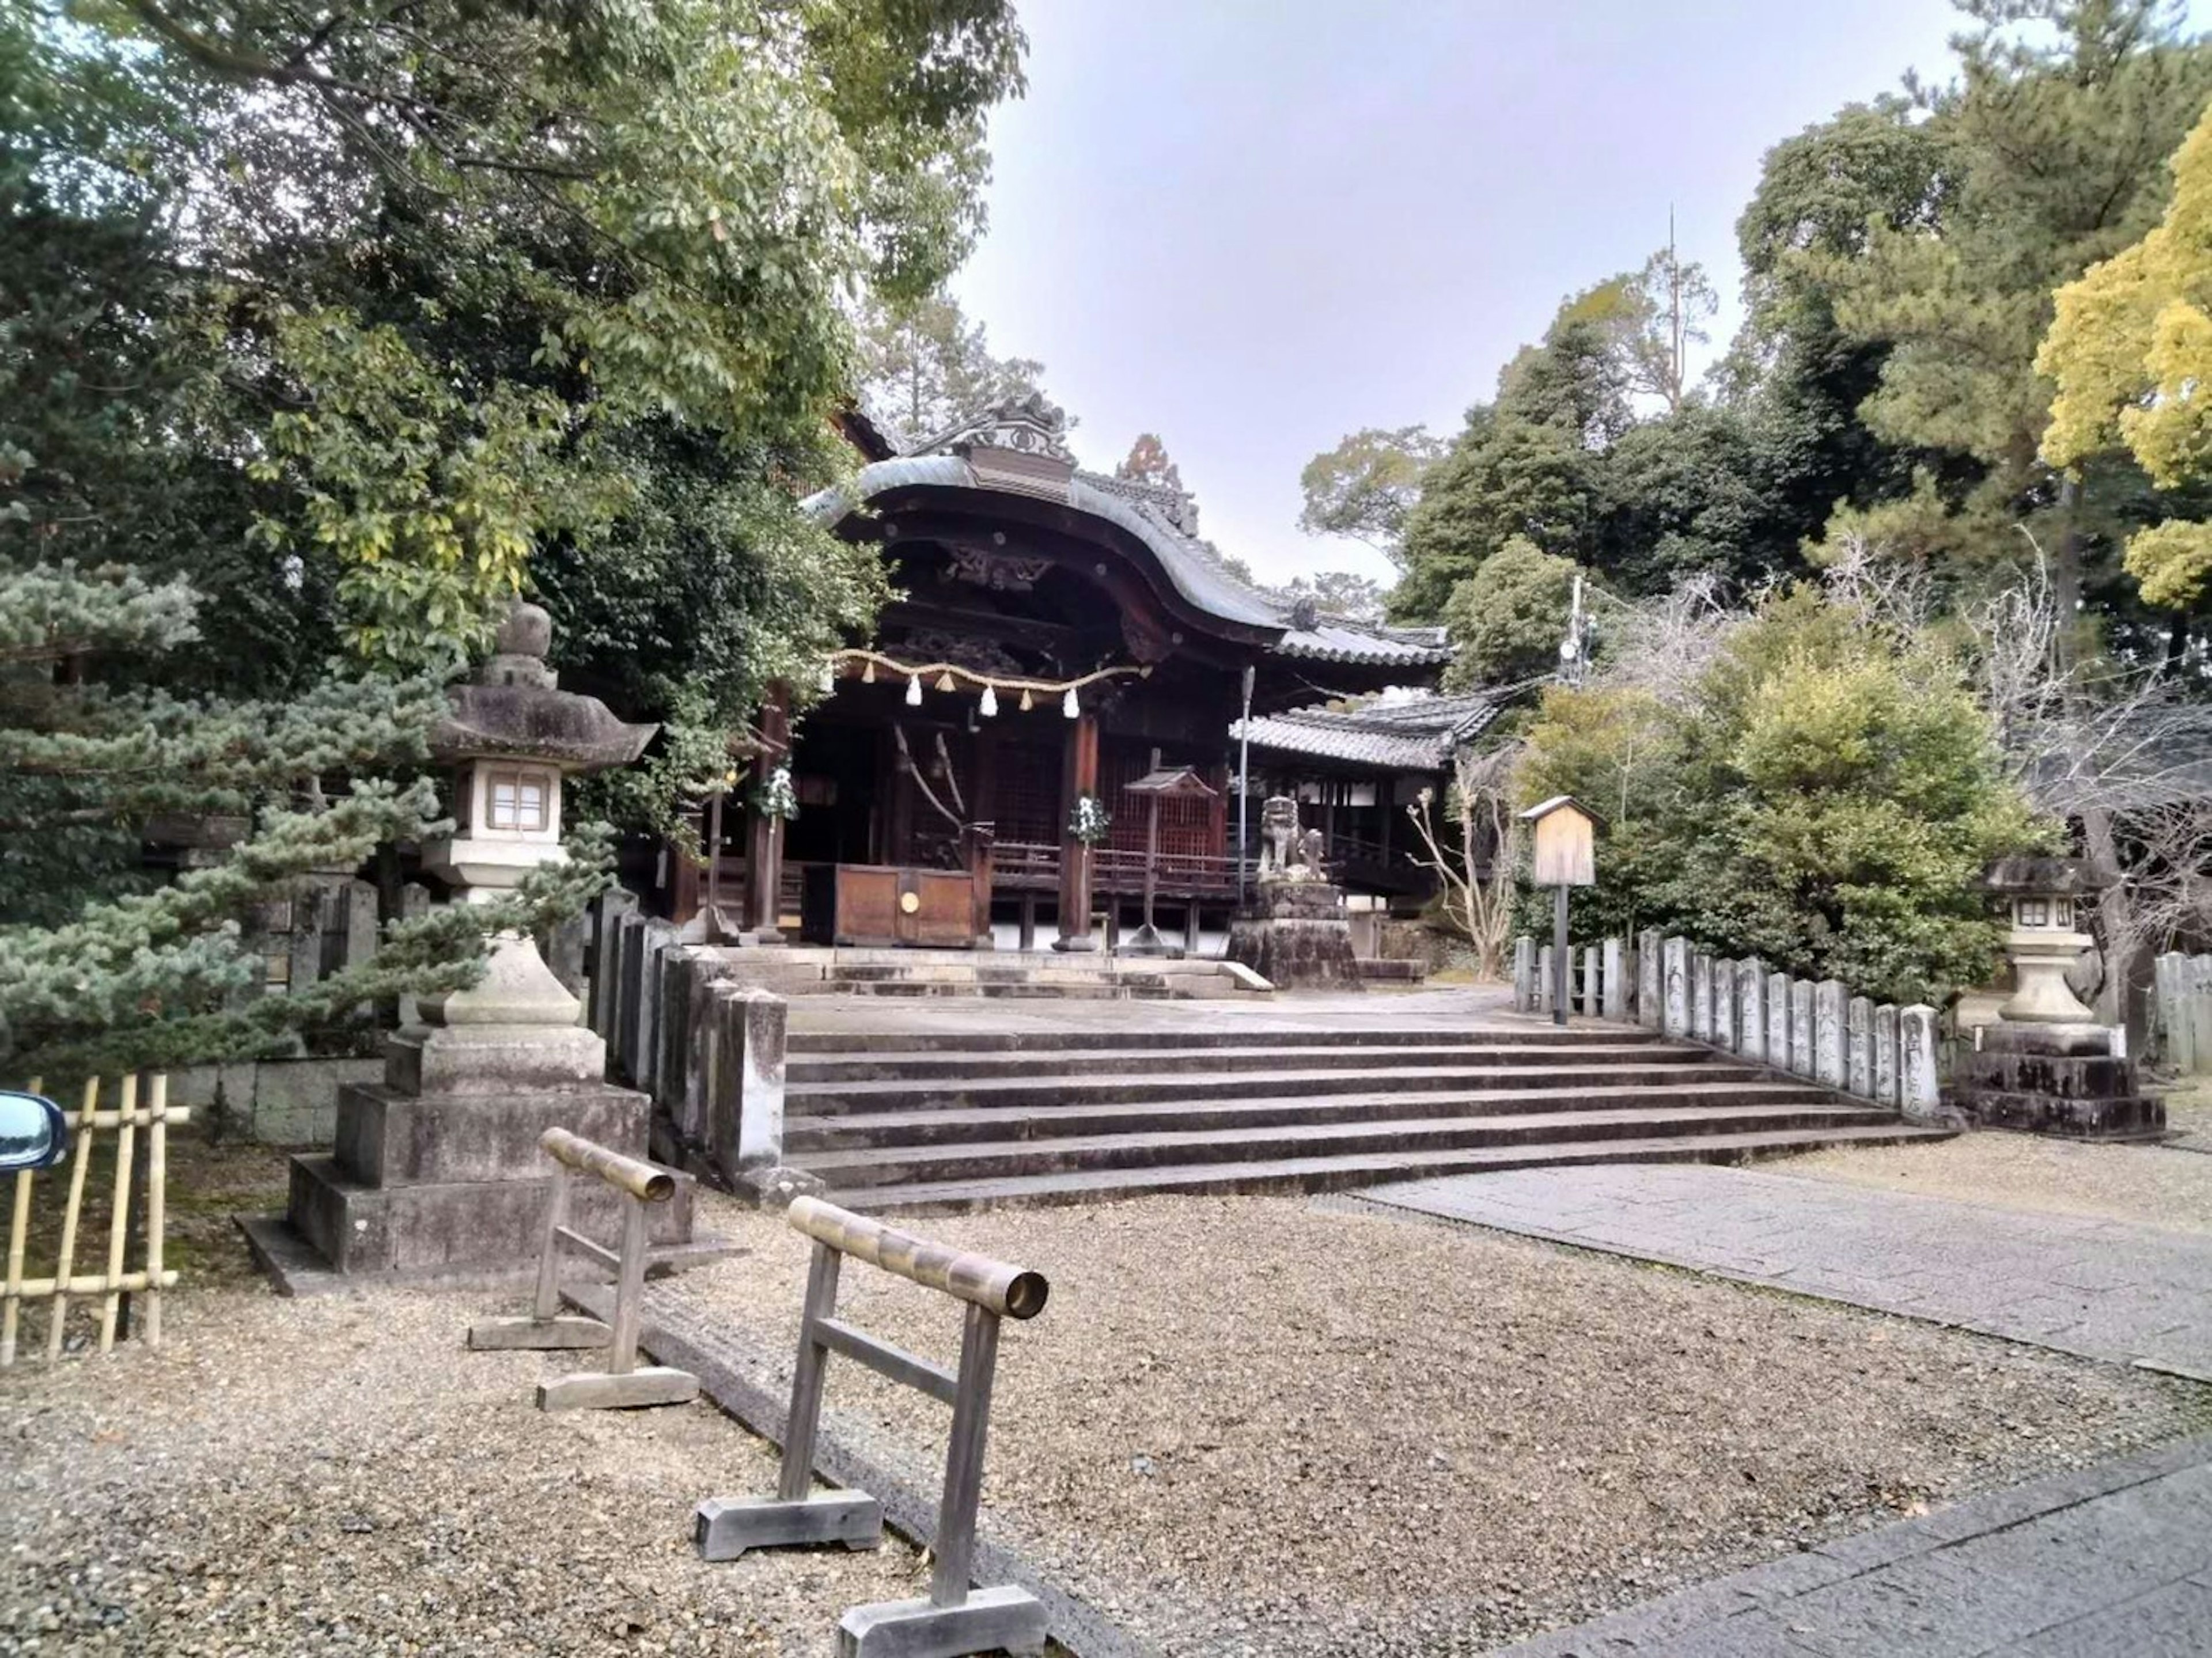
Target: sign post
[1565,856]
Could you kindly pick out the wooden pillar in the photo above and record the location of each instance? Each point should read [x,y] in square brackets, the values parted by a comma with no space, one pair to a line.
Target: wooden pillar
[764,843]
[1078,776]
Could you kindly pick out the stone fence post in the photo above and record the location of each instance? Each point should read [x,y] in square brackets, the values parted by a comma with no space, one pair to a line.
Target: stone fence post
[1651,988]
[1616,979]
[1676,989]
[1920,1092]
[745,1114]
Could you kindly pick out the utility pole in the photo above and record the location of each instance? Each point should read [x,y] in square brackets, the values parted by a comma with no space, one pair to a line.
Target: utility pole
[1574,649]
[1675,300]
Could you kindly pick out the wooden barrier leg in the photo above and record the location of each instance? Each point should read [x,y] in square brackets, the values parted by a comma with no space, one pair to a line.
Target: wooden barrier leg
[546,1328]
[629,1289]
[806,1415]
[955,1545]
[727,1527]
[546,1305]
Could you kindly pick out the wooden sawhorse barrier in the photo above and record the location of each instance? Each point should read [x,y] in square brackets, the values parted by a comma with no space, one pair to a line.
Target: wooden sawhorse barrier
[624,1383]
[952,1620]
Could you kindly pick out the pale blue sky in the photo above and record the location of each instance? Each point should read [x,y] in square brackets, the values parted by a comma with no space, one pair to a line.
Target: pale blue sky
[1255,226]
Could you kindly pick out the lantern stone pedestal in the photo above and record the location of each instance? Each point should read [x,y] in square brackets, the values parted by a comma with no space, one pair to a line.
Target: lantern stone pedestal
[436,1170]
[2047,1067]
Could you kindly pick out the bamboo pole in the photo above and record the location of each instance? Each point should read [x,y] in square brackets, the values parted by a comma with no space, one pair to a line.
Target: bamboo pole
[69,1212]
[19,1229]
[93,1283]
[157,1204]
[118,1219]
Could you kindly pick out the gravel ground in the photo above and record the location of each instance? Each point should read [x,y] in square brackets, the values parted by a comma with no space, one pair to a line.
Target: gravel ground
[338,1476]
[2189,1113]
[1258,1426]
[2162,1186]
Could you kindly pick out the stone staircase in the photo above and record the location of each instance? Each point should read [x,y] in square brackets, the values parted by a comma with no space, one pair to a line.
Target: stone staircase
[927,1122]
[1001,981]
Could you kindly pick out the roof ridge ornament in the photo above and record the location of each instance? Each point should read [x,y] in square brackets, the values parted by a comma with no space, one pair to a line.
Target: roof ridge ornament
[1029,425]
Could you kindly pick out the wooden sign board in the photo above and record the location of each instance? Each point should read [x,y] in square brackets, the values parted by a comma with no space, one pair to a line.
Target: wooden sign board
[1567,843]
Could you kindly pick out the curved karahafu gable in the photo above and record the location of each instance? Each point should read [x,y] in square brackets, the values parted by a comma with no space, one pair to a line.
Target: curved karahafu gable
[1018,449]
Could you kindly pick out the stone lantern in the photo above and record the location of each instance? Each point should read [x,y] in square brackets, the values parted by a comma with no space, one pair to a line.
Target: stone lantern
[2045,940]
[2047,1065]
[436,1168]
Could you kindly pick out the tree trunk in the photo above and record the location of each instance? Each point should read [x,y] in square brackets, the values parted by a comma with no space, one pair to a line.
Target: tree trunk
[2122,1000]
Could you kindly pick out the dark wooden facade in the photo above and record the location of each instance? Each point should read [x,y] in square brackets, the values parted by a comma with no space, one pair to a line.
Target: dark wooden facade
[1009,564]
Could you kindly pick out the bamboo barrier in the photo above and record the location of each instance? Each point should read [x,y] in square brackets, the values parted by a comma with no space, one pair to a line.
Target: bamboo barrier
[116,1279]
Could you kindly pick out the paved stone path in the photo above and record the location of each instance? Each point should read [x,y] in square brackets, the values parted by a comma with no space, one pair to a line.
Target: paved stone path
[2100,1288]
[2113,1562]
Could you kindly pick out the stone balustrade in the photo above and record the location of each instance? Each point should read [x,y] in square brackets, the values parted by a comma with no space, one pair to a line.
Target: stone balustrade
[1819,1032]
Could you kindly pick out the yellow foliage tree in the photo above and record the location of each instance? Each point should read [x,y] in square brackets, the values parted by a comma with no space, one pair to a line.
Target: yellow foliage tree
[2130,348]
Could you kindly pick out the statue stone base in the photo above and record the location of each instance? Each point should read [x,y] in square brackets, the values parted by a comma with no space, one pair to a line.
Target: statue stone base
[1296,937]
[2058,1079]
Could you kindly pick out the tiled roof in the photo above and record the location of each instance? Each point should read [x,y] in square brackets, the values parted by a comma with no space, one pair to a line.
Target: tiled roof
[1204,583]
[1332,640]
[1165,520]
[1419,734]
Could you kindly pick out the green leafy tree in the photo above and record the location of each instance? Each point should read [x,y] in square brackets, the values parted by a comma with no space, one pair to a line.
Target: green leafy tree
[359,319]
[1505,622]
[1505,476]
[925,365]
[1366,486]
[1825,794]
[2049,148]
[1344,593]
[2130,351]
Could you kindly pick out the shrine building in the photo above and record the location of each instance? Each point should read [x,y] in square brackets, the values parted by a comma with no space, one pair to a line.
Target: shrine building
[1061,653]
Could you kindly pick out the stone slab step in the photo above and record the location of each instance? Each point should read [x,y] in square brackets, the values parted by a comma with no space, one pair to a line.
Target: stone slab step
[907,1165]
[1344,1173]
[1257,1032]
[826,1099]
[961,1125]
[1106,990]
[1384,970]
[811,1068]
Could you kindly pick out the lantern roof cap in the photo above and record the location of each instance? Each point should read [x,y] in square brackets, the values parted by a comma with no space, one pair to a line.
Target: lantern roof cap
[2056,875]
[516,709]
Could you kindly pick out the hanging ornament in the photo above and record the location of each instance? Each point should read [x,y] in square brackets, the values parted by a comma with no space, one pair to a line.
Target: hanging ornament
[945,681]
[913,690]
[868,674]
[989,709]
[1028,701]
[1069,706]
[828,675]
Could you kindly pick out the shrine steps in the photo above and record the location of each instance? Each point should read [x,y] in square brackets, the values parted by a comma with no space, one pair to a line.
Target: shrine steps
[1009,977]
[936,1122]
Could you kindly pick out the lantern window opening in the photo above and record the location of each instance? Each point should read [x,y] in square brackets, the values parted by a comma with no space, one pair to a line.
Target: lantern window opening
[518,801]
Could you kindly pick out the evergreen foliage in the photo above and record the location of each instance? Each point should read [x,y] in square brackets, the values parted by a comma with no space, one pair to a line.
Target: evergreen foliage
[1506,620]
[1825,794]
[320,334]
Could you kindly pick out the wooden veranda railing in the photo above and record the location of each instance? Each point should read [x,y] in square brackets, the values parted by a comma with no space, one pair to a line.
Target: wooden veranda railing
[112,1285]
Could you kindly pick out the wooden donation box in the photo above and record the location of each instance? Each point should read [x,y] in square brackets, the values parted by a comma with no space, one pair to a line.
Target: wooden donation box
[877,904]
